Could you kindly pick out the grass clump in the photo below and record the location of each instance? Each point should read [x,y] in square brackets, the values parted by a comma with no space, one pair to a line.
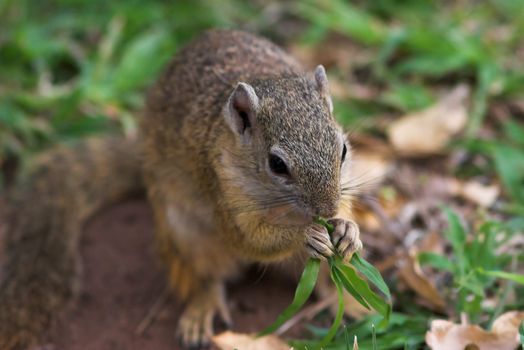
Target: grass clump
[345,277]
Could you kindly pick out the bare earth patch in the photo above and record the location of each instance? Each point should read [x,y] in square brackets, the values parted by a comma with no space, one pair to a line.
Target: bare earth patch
[122,279]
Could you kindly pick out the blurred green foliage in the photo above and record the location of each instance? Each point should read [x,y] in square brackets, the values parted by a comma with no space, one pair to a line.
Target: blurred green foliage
[74,67]
[475,257]
[71,68]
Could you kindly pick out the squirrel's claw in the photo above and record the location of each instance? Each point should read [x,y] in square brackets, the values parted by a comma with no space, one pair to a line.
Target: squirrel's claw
[318,242]
[345,237]
[195,327]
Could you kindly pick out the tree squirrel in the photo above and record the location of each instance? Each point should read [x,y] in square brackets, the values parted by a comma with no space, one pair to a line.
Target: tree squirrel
[239,151]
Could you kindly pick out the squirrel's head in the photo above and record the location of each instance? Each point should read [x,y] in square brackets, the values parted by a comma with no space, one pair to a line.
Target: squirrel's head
[290,153]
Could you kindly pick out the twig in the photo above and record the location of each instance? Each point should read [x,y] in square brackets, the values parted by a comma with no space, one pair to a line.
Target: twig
[307,313]
[153,312]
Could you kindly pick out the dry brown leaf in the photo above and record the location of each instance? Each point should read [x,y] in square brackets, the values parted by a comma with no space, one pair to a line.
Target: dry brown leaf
[446,335]
[413,275]
[483,195]
[229,340]
[428,132]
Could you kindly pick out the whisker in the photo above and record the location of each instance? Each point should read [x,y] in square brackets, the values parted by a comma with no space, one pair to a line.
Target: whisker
[258,206]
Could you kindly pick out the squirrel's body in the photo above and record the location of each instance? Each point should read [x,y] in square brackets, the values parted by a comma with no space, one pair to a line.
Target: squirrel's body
[239,152]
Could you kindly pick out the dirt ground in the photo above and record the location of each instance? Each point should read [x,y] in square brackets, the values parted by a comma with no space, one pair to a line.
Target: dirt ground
[122,279]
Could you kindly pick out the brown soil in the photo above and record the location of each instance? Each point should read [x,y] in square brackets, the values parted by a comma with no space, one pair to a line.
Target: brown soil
[122,280]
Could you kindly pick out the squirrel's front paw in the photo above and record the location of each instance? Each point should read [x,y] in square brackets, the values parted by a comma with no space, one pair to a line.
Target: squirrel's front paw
[318,242]
[345,237]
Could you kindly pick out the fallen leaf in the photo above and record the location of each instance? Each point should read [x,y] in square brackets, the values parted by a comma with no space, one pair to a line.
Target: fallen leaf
[483,195]
[429,131]
[504,335]
[413,275]
[229,340]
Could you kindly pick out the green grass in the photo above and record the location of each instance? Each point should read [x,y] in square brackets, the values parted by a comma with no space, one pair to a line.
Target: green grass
[72,68]
[345,276]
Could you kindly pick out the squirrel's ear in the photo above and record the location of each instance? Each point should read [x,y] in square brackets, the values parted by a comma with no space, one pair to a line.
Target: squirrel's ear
[241,109]
[323,85]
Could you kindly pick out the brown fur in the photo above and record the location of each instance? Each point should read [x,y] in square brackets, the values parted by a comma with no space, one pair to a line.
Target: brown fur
[216,187]
[43,229]
[216,205]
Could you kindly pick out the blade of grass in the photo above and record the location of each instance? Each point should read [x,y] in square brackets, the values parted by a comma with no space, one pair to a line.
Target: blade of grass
[304,289]
[374,337]
[363,289]
[340,312]
[371,273]
[346,282]
[435,260]
[323,222]
[515,277]
[346,337]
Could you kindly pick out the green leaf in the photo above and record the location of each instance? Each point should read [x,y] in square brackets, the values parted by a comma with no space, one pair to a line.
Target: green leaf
[437,261]
[432,66]
[455,233]
[343,17]
[514,131]
[348,285]
[364,291]
[487,74]
[482,250]
[509,163]
[515,277]
[141,60]
[407,97]
[371,273]
[323,222]
[304,289]
[340,312]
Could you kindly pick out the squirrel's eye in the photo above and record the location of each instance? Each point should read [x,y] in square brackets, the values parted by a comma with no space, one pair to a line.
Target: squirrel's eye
[344,151]
[277,165]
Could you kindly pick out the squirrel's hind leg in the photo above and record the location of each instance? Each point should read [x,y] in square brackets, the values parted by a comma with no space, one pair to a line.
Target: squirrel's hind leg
[197,269]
